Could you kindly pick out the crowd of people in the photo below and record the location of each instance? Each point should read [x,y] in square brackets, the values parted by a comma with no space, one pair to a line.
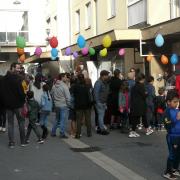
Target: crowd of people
[117,102]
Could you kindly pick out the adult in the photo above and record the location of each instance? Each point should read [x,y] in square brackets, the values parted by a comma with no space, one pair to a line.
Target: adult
[62,100]
[114,87]
[82,104]
[13,98]
[101,90]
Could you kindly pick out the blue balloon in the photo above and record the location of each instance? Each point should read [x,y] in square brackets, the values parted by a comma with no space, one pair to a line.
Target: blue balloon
[159,41]
[81,41]
[54,52]
[174,59]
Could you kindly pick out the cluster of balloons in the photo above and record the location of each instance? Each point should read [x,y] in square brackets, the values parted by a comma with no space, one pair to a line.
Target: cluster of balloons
[164,59]
[68,52]
[21,43]
[54,43]
[106,42]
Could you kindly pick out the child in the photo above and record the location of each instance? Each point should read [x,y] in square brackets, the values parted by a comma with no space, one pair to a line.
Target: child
[172,124]
[160,106]
[123,106]
[46,108]
[33,109]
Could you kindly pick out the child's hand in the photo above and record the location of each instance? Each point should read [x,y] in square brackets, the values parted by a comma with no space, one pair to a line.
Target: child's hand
[178,116]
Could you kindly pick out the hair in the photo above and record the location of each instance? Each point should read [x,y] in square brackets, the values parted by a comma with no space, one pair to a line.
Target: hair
[171,95]
[30,94]
[81,78]
[116,72]
[140,77]
[130,70]
[37,82]
[46,89]
[13,65]
[161,90]
[61,75]
[104,73]
[150,79]
[124,87]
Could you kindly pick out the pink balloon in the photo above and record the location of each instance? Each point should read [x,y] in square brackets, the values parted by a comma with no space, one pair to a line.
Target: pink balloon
[122,52]
[38,51]
[85,51]
[75,54]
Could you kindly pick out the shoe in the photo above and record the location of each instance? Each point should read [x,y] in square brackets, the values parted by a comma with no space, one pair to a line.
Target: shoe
[104,132]
[149,132]
[176,172]
[63,136]
[11,145]
[133,134]
[169,176]
[73,136]
[27,141]
[40,141]
[53,135]
[24,144]
[77,136]
[3,129]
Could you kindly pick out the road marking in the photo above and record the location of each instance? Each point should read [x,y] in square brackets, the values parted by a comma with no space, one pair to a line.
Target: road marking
[117,170]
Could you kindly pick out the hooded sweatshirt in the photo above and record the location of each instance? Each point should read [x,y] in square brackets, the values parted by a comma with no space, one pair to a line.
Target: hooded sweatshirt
[61,94]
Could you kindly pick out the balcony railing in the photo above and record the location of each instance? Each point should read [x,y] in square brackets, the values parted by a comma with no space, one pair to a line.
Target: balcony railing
[10,37]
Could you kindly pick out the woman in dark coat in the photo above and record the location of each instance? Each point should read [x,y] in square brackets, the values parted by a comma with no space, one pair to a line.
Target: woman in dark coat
[138,105]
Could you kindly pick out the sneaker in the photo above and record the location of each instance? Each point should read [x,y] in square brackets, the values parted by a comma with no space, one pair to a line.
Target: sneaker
[133,134]
[149,132]
[11,145]
[24,144]
[176,172]
[3,129]
[40,141]
[104,132]
[27,141]
[169,176]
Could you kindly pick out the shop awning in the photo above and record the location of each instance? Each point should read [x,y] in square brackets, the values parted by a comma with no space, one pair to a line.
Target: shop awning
[129,35]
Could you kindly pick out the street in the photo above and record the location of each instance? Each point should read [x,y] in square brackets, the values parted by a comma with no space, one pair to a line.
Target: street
[116,157]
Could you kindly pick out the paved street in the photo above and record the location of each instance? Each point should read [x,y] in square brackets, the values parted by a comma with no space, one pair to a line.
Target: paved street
[118,157]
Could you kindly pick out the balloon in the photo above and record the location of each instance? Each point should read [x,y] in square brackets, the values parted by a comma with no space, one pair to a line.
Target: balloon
[92,51]
[84,51]
[53,42]
[54,52]
[68,51]
[103,52]
[107,41]
[81,41]
[159,40]
[20,51]
[164,59]
[75,54]
[174,59]
[20,42]
[149,57]
[122,52]
[22,58]
[38,51]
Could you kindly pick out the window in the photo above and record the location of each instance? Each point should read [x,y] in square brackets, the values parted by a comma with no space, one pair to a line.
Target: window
[174,8]
[137,12]
[111,4]
[88,15]
[77,21]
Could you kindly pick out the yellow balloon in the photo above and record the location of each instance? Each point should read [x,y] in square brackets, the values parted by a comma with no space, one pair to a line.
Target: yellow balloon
[107,41]
[103,52]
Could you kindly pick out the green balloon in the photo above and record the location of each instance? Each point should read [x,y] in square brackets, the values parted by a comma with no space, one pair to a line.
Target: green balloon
[20,42]
[92,51]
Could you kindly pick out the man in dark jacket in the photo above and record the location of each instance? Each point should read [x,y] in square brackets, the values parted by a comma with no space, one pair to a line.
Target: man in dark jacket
[13,98]
[101,90]
[82,104]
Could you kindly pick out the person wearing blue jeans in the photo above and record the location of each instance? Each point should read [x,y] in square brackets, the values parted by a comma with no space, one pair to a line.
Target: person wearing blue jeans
[62,99]
[101,90]
[61,117]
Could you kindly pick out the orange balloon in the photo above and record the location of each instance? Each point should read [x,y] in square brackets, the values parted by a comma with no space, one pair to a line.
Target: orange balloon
[20,51]
[149,57]
[164,59]
[22,58]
